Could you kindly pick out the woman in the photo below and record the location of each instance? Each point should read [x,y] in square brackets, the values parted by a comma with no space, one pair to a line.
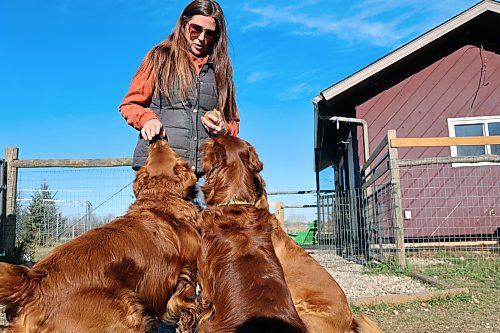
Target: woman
[179,80]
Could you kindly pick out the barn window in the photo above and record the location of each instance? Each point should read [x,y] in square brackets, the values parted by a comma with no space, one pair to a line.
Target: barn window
[474,126]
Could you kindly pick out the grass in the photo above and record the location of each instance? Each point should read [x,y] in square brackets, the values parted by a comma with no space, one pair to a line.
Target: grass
[485,270]
[41,252]
[388,267]
[476,312]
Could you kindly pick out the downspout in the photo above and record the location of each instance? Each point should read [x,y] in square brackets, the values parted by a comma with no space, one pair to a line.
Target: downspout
[366,149]
[319,216]
[359,121]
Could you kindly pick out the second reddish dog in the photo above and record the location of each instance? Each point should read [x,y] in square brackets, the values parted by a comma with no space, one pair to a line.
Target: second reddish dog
[243,289]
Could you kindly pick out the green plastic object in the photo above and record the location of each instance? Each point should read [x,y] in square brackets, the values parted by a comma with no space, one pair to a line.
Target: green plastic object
[308,236]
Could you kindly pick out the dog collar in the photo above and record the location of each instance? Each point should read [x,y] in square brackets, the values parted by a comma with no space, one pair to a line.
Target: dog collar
[235,202]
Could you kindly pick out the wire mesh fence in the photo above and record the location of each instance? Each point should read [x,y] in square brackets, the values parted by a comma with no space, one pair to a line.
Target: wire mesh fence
[54,205]
[450,212]
[417,212]
[296,209]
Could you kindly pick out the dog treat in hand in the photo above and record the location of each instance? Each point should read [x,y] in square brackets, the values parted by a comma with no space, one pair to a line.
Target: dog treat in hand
[213,113]
[218,122]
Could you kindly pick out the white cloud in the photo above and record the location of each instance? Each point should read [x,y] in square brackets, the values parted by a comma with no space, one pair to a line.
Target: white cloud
[376,22]
[300,90]
[258,76]
[353,28]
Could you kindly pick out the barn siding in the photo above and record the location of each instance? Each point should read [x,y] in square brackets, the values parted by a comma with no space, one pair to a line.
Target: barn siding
[420,106]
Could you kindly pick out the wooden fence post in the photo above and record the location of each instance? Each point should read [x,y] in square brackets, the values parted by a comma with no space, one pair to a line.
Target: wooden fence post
[11,154]
[397,207]
[280,213]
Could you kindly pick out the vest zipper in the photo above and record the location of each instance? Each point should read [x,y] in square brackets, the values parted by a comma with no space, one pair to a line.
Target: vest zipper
[196,116]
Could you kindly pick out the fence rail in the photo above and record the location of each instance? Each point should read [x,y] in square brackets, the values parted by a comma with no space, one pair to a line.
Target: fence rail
[72,163]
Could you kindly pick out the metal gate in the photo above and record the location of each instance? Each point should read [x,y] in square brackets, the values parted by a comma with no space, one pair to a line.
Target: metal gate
[345,224]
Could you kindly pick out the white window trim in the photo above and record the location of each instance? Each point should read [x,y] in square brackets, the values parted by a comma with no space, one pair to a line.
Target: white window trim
[465,121]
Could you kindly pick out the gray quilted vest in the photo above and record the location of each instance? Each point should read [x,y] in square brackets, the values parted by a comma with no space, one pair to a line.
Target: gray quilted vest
[182,120]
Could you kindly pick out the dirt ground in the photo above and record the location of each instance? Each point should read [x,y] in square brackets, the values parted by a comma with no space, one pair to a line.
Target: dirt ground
[477,312]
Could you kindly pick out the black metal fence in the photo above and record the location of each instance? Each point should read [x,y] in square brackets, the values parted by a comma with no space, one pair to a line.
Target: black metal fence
[357,224]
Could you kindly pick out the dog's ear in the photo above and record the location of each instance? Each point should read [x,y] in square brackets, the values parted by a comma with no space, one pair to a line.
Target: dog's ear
[256,166]
[260,192]
[185,173]
[254,163]
[213,155]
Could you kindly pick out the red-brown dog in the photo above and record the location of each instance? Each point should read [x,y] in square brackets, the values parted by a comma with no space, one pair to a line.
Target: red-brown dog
[120,276]
[318,298]
[243,289]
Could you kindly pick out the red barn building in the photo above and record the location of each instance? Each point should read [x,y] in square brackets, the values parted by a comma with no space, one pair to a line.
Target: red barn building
[445,83]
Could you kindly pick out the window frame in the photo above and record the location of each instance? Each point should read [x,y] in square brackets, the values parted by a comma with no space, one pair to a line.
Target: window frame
[483,120]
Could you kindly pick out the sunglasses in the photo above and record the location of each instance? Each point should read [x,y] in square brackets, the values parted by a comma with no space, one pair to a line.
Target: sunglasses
[196,30]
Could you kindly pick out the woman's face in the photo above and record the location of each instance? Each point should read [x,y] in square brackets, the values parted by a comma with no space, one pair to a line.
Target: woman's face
[200,33]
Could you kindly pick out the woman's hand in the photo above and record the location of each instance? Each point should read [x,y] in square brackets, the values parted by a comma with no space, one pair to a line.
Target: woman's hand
[152,128]
[214,123]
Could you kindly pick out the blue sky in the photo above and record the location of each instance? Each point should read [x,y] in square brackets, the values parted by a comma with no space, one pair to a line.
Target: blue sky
[66,65]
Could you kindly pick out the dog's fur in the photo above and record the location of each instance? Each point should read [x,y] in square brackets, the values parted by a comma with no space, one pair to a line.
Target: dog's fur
[318,298]
[242,284]
[121,276]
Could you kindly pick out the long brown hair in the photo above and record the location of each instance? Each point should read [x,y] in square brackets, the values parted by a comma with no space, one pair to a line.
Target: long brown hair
[169,61]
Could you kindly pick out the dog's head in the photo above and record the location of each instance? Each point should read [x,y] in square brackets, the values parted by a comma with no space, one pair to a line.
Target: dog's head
[164,171]
[232,169]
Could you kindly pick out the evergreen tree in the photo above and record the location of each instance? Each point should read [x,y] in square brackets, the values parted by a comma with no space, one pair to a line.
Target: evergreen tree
[26,238]
[40,222]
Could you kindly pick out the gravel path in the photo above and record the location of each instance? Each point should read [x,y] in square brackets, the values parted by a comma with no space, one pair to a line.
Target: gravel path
[2,317]
[355,283]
